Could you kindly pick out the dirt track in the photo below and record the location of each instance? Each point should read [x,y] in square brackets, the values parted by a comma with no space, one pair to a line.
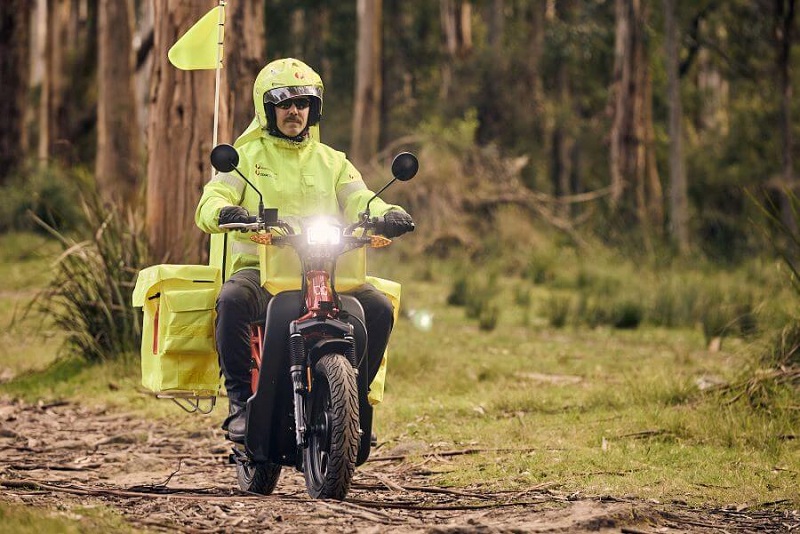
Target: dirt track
[64,456]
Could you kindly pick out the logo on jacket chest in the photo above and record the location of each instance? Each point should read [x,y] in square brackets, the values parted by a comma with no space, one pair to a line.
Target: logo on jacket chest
[263,171]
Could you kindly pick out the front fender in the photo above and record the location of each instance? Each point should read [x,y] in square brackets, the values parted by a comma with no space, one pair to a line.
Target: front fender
[329,346]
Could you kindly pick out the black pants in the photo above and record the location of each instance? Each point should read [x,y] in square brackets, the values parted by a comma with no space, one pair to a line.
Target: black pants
[243,301]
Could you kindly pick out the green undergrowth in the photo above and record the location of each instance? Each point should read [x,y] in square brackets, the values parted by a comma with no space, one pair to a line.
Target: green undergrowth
[19,519]
[601,410]
[648,411]
[26,341]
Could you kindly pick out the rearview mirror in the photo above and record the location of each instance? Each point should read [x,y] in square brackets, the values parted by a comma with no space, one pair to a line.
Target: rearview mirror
[224,158]
[405,166]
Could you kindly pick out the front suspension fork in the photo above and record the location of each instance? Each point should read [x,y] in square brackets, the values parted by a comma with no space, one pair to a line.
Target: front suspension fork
[297,357]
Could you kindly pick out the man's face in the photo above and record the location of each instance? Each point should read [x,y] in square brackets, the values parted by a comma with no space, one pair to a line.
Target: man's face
[292,115]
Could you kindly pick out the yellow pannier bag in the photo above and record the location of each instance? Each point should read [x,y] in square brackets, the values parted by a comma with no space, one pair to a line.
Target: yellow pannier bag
[280,269]
[178,349]
[391,289]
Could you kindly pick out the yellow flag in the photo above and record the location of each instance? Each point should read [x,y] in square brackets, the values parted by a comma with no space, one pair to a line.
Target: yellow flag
[197,49]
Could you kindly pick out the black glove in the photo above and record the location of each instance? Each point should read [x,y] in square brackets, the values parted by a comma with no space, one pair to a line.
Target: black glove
[397,223]
[234,214]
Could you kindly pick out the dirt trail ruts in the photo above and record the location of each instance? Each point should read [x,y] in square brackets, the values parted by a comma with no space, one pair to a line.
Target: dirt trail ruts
[66,456]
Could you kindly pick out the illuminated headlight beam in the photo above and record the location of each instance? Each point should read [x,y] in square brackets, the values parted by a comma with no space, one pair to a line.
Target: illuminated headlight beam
[323,234]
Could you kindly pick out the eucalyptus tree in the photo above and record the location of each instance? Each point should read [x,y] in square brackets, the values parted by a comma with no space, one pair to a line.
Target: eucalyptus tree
[15,22]
[119,160]
[178,139]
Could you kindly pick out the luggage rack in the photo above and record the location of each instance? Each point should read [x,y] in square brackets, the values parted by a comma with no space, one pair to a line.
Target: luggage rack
[191,401]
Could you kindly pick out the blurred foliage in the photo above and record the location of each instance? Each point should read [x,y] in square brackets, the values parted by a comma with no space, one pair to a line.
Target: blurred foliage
[731,105]
[511,92]
[49,193]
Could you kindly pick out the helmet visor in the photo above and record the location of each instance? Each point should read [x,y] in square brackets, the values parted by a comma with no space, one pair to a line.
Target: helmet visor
[279,94]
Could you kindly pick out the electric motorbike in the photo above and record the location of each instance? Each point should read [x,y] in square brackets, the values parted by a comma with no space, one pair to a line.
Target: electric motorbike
[309,407]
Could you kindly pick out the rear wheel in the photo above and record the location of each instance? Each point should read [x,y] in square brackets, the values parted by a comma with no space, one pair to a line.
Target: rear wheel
[330,458]
[257,477]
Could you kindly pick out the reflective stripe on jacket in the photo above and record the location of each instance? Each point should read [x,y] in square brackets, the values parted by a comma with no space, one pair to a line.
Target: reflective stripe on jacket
[300,179]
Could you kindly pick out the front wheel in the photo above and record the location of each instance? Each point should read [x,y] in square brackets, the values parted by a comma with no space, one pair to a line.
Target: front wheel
[330,457]
[257,477]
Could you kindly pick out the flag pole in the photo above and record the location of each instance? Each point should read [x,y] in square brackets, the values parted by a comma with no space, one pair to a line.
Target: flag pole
[218,247]
[220,38]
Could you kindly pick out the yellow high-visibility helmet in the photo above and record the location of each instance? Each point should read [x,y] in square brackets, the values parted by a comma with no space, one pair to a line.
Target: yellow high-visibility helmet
[283,79]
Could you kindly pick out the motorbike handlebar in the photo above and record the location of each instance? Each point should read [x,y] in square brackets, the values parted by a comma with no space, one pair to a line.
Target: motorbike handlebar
[376,224]
[253,225]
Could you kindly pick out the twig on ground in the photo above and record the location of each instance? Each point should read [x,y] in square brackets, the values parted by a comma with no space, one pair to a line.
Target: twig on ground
[445,454]
[50,467]
[355,509]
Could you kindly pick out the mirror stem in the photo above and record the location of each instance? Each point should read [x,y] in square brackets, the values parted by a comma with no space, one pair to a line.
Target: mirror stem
[366,210]
[260,198]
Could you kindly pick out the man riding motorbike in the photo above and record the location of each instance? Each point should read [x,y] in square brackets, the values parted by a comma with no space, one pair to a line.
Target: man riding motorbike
[300,176]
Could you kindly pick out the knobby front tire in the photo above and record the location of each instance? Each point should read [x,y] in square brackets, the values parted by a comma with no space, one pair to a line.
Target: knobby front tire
[330,458]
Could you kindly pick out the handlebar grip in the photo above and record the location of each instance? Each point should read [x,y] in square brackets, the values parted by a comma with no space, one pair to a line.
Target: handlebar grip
[378,225]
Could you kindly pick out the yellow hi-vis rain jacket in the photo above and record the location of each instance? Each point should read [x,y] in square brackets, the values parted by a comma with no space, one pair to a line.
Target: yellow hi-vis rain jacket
[300,179]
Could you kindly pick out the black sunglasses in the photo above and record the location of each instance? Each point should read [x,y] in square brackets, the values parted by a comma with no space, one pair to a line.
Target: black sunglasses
[299,103]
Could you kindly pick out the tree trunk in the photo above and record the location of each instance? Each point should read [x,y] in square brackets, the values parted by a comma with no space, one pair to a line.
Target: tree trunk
[245,45]
[678,196]
[620,94]
[536,21]
[654,200]
[635,189]
[119,159]
[497,24]
[366,105]
[179,139]
[297,23]
[68,109]
[456,20]
[143,40]
[15,21]
[53,78]
[784,36]
[447,15]
[713,114]
[563,136]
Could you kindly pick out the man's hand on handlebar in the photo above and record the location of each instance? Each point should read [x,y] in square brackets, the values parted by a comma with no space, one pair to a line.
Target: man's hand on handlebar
[396,223]
[235,214]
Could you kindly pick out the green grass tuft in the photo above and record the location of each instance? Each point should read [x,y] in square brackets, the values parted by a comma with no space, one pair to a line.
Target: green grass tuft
[89,295]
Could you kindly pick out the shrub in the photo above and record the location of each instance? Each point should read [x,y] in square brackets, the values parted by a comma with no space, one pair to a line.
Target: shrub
[626,314]
[674,301]
[50,194]
[557,309]
[489,316]
[772,383]
[522,295]
[89,296]
[459,293]
[541,268]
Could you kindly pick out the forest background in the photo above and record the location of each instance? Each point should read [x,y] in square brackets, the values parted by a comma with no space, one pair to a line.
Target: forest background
[638,122]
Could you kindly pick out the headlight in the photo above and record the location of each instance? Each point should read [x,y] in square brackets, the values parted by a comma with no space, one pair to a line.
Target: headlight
[323,234]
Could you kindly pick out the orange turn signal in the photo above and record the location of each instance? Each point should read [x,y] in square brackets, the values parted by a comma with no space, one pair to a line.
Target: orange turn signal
[378,241]
[262,239]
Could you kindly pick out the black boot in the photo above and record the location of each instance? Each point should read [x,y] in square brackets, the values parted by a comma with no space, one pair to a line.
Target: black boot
[236,422]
